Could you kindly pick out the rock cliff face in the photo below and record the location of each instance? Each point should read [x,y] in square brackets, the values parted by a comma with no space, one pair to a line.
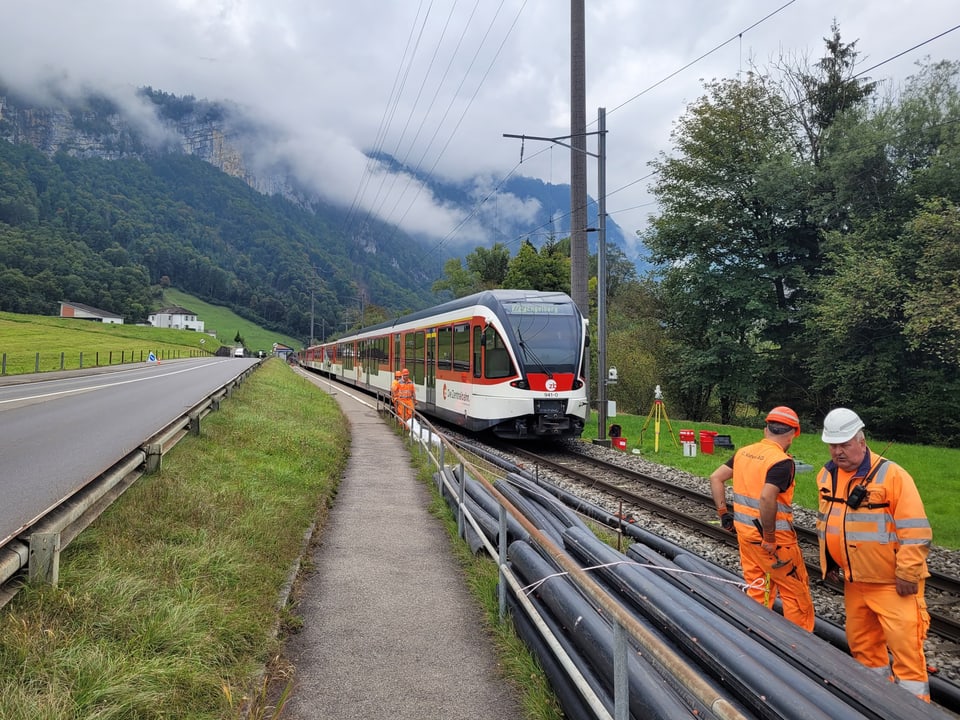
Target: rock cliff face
[206,131]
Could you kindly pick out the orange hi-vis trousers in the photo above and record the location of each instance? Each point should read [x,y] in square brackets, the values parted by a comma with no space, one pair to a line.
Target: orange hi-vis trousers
[790,582]
[879,620]
[405,408]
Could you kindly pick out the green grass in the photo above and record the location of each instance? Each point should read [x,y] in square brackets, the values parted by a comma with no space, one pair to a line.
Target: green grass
[226,323]
[63,342]
[933,468]
[166,604]
[22,337]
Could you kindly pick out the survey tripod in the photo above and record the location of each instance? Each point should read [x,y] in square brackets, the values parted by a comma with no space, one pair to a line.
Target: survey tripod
[658,411]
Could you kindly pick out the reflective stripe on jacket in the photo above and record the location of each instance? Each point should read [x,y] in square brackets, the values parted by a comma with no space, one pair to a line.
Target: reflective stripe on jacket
[750,466]
[886,537]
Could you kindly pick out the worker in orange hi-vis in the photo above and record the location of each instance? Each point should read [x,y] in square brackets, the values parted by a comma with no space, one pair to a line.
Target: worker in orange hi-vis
[762,518]
[406,396]
[393,390]
[875,536]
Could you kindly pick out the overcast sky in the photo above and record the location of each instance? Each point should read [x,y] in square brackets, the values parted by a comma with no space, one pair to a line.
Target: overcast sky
[437,83]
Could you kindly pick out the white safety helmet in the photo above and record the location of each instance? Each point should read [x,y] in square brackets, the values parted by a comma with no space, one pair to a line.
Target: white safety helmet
[840,425]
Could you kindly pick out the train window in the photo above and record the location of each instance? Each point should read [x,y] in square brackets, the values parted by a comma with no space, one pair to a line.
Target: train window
[497,359]
[461,347]
[397,354]
[417,371]
[346,352]
[444,348]
[477,334]
[409,351]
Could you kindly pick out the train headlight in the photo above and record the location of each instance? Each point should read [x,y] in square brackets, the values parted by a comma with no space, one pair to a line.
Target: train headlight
[520,384]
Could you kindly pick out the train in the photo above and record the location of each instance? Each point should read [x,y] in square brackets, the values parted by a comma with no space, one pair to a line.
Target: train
[511,362]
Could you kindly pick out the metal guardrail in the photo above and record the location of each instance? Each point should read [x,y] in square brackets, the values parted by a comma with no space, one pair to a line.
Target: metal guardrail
[34,553]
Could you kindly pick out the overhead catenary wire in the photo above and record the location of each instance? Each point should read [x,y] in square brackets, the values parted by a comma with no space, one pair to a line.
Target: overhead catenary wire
[790,107]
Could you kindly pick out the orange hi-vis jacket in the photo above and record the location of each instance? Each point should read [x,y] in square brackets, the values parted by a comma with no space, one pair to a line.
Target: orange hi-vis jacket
[886,537]
[406,391]
[750,467]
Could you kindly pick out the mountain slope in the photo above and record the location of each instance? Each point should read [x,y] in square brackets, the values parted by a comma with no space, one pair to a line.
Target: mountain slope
[102,232]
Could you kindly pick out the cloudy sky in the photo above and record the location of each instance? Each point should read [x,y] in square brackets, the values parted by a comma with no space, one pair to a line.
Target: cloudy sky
[437,83]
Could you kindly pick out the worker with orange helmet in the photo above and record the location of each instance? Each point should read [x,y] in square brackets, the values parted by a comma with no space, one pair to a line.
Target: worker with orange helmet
[762,518]
[874,534]
[406,396]
[393,390]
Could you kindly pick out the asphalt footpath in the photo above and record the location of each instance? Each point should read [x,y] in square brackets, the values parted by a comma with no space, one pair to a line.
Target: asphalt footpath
[389,628]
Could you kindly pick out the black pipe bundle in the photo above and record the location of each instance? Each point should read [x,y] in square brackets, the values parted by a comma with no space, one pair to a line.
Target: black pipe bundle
[651,696]
[765,664]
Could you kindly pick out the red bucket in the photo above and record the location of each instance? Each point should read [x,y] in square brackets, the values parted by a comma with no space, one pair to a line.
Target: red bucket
[620,443]
[706,441]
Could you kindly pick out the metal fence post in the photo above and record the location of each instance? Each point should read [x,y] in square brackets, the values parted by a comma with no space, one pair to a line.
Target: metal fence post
[36,363]
[463,482]
[621,681]
[502,583]
[44,563]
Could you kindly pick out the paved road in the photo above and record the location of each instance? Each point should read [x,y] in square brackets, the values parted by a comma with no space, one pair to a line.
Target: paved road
[64,429]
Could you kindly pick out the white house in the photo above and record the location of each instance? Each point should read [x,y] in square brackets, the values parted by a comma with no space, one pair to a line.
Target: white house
[175,317]
[86,312]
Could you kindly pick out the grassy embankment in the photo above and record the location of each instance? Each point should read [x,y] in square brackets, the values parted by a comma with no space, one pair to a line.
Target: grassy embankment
[23,336]
[933,468]
[166,605]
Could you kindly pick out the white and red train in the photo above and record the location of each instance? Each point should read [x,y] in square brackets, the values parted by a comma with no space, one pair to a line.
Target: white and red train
[509,361]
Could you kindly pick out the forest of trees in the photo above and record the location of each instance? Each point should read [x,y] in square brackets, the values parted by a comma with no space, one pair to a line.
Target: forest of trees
[807,252]
[110,233]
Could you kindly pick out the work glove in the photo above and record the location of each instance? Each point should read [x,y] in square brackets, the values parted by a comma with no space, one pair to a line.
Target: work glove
[726,521]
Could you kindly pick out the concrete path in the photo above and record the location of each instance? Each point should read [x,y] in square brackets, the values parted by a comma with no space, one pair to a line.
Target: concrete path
[389,630]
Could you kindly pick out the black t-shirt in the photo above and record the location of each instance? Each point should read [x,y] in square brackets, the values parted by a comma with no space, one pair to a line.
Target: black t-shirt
[780,474]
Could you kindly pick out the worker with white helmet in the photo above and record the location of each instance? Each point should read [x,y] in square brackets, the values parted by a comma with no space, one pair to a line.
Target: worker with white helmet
[763,484]
[874,533]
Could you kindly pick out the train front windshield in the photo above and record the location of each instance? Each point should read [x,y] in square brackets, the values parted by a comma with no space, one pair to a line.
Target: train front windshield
[548,335]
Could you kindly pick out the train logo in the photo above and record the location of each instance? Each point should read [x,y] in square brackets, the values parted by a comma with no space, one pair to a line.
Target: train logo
[551,385]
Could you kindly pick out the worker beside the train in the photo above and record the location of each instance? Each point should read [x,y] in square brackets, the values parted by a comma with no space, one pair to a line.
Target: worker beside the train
[406,396]
[763,484]
[874,534]
[393,391]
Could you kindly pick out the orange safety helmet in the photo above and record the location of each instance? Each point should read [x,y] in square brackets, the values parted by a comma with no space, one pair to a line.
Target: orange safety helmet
[405,372]
[785,416]
[397,374]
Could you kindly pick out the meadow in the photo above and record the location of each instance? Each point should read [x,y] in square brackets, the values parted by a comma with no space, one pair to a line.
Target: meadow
[227,324]
[41,343]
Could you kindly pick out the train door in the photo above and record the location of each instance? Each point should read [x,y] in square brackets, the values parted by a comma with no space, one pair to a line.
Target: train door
[431,369]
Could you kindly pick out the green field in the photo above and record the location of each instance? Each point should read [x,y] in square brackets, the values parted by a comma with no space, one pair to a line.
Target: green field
[32,343]
[227,324]
[933,468]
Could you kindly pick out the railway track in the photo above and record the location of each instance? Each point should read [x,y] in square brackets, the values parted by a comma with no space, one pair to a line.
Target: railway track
[695,510]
